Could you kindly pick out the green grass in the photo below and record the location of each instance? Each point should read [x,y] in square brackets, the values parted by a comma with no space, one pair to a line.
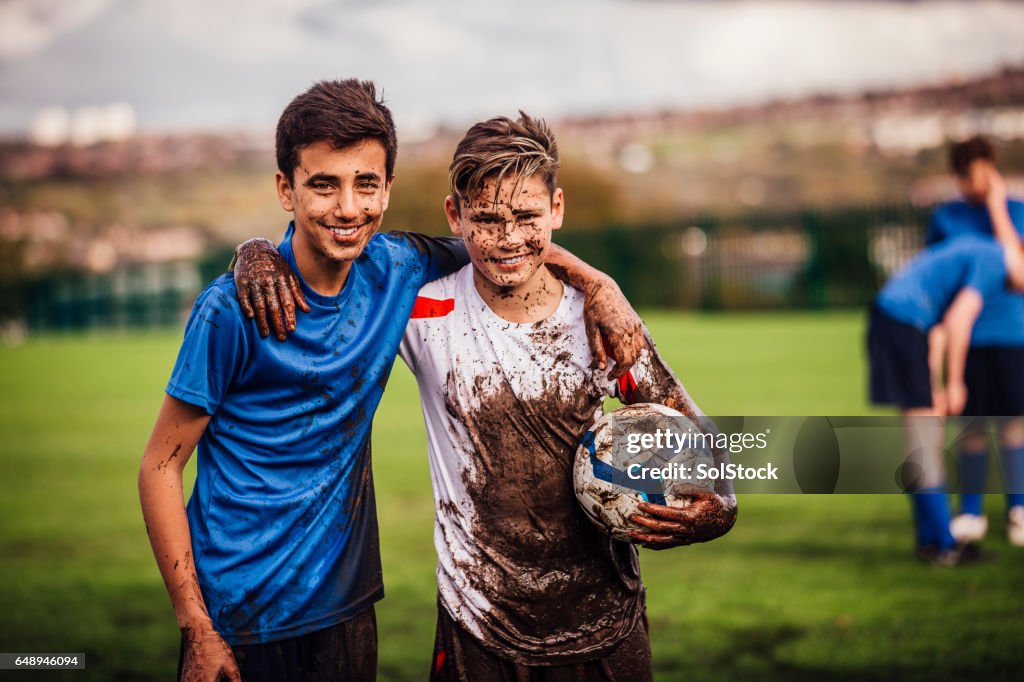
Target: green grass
[803,588]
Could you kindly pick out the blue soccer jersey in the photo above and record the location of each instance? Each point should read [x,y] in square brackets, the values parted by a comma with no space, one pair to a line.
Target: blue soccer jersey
[282,516]
[1001,322]
[920,293]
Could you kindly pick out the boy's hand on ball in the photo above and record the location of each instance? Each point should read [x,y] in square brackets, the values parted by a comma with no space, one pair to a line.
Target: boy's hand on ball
[265,285]
[706,518]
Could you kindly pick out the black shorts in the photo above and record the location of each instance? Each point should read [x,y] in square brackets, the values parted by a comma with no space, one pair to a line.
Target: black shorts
[898,355]
[344,652]
[460,657]
[995,381]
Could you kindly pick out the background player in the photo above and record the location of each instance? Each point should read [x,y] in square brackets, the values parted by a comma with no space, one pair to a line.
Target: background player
[994,372]
[920,325]
[528,587]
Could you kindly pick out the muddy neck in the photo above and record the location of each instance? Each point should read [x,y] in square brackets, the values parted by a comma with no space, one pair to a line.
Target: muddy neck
[532,301]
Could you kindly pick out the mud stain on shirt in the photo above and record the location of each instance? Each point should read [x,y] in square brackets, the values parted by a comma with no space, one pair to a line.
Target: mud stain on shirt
[559,588]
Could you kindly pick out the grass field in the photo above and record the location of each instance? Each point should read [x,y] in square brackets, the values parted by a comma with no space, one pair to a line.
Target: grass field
[804,587]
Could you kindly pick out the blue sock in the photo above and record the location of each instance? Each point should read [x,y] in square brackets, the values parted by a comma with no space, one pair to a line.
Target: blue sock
[973,472]
[931,517]
[1013,476]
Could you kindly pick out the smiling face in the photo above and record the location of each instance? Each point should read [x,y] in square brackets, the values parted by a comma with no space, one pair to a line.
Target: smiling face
[508,236]
[338,197]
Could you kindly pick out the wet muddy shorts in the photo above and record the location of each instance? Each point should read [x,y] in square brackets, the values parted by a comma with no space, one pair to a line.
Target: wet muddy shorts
[345,652]
[459,657]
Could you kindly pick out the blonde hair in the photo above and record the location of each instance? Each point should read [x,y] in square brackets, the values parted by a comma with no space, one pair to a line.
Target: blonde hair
[502,147]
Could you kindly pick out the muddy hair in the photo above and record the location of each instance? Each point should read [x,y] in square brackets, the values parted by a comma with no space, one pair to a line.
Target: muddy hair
[963,154]
[340,112]
[501,147]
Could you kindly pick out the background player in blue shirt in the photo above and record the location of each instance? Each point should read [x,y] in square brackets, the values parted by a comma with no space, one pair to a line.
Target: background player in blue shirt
[920,325]
[274,567]
[994,372]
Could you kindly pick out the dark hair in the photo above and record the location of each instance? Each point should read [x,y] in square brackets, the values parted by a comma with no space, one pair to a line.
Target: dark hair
[342,112]
[963,154]
[500,146]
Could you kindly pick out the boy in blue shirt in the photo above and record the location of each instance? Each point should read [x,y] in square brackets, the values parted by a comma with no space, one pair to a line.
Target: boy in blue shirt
[921,324]
[994,371]
[274,567]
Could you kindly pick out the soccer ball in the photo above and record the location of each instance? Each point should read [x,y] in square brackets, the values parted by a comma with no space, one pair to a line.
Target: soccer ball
[621,461]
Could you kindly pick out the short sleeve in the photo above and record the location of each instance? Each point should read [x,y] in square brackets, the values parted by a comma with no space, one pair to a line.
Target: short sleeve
[1016,210]
[406,348]
[936,229]
[212,352]
[987,274]
[438,256]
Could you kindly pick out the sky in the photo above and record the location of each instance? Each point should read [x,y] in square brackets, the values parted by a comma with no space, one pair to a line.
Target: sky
[223,64]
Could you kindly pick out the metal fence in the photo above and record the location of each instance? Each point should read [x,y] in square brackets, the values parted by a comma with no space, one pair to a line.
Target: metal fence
[140,296]
[812,259]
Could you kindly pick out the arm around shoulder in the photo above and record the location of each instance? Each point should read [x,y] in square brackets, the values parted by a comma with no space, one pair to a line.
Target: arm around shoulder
[267,288]
[613,327]
[440,256]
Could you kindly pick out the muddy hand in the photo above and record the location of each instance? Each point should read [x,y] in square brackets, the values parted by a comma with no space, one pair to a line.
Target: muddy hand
[267,288]
[208,658]
[706,518]
[613,328]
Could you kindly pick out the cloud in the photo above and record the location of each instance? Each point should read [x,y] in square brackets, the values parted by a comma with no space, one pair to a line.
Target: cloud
[235,62]
[698,52]
[254,31]
[28,26]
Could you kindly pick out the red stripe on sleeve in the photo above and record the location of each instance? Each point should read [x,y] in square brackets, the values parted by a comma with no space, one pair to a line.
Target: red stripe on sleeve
[431,307]
[627,384]
[627,387]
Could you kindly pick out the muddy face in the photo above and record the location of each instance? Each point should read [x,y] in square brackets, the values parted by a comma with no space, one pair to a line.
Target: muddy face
[507,228]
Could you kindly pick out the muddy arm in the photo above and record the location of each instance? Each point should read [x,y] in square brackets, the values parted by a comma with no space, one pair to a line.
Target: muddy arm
[613,327]
[708,516]
[175,435]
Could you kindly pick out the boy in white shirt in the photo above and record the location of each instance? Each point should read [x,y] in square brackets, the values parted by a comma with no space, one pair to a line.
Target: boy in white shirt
[528,587]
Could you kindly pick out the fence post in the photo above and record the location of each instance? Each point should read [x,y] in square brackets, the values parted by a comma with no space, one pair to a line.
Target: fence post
[710,297]
[815,268]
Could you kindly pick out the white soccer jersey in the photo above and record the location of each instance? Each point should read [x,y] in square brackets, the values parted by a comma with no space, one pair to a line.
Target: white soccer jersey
[505,404]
